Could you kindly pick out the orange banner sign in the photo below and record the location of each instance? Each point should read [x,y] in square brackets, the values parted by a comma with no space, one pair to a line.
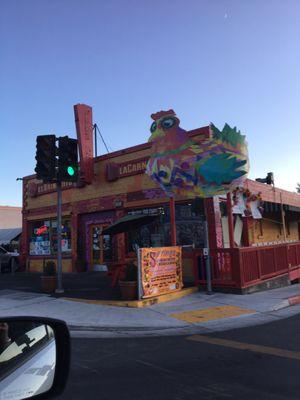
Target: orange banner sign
[161,270]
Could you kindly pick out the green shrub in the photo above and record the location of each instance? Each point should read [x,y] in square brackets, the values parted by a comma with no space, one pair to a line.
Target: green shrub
[50,268]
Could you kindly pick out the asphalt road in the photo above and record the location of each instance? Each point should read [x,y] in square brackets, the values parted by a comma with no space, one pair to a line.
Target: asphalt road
[217,366]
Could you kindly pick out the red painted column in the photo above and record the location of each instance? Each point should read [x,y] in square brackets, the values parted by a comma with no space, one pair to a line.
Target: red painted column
[246,239]
[230,221]
[172,221]
[213,215]
[24,240]
[74,238]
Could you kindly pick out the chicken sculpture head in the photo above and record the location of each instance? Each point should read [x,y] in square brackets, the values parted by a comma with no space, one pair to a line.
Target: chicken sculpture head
[165,122]
[182,166]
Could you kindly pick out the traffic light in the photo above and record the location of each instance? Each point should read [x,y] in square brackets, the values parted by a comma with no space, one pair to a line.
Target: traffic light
[270,178]
[45,158]
[67,159]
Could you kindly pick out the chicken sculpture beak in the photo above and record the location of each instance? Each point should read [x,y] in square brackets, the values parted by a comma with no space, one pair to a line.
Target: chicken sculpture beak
[157,134]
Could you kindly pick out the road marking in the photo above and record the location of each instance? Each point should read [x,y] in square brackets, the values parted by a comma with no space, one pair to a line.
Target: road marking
[212,313]
[273,351]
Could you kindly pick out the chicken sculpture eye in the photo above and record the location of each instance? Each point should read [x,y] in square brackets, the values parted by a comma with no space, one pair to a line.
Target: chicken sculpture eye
[153,127]
[168,123]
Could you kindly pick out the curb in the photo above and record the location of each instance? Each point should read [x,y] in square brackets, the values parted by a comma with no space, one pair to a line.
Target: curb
[290,301]
[77,328]
[138,303]
[294,300]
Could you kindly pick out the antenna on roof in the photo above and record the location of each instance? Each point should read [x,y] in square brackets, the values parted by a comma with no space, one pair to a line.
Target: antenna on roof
[96,128]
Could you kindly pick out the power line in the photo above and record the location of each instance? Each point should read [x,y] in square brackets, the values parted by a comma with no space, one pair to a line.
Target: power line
[97,129]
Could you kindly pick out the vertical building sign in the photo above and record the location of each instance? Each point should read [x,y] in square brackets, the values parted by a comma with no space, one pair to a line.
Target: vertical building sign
[84,128]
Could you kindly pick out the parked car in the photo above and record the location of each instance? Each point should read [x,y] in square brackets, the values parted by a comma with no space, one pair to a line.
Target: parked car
[8,260]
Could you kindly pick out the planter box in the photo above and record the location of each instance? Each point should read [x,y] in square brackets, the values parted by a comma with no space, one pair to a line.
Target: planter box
[128,290]
[48,284]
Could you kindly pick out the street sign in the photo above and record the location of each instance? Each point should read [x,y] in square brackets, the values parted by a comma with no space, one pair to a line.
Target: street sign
[205,251]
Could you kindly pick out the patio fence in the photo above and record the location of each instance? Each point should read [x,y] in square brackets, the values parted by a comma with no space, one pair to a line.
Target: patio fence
[247,266]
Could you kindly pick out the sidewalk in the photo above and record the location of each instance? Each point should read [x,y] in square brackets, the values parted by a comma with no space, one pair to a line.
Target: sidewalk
[197,312]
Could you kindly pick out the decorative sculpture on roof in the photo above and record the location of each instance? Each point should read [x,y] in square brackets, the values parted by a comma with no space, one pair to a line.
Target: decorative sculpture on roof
[183,166]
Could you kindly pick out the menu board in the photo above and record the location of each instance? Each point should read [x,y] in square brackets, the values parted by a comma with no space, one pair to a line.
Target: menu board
[161,270]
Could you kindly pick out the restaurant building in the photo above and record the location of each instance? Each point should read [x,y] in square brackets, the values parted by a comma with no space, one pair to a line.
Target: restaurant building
[118,186]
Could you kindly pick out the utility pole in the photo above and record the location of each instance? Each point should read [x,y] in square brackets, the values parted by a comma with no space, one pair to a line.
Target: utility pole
[95,138]
[206,256]
[59,288]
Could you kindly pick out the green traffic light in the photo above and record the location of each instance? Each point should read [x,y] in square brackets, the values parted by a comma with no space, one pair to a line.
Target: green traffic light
[71,171]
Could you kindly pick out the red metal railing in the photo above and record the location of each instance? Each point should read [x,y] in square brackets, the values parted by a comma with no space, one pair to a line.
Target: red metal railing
[246,266]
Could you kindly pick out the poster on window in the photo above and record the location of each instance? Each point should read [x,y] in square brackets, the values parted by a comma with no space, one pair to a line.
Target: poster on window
[39,248]
[161,270]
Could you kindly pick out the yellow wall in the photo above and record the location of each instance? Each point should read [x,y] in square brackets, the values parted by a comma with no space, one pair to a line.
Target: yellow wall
[37,265]
[100,186]
[271,231]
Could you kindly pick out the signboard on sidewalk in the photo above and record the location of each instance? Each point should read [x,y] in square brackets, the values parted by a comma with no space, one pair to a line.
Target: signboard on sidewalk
[161,270]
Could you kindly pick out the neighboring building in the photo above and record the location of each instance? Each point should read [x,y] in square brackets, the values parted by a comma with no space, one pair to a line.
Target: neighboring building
[10,217]
[120,187]
[10,238]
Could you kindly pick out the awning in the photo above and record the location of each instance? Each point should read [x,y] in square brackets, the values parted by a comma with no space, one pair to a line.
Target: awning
[128,223]
[8,235]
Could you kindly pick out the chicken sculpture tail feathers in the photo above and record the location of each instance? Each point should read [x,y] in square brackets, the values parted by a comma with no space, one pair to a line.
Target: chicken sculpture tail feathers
[229,135]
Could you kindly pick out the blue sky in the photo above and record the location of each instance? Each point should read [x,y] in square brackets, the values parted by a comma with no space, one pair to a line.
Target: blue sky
[211,61]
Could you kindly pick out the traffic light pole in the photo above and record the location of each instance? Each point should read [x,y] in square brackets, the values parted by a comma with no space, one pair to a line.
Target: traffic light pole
[57,165]
[59,288]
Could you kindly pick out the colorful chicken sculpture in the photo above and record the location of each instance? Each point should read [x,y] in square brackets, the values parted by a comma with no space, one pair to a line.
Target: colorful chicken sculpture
[182,166]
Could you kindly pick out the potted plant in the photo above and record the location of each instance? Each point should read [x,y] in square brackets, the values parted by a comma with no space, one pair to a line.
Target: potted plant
[128,283]
[48,278]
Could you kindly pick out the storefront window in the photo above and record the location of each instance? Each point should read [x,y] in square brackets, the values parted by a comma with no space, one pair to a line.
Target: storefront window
[189,228]
[43,237]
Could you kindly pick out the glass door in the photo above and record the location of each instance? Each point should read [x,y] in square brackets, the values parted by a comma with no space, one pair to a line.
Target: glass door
[101,246]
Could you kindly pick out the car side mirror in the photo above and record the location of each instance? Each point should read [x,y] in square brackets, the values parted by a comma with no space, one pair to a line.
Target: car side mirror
[34,357]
